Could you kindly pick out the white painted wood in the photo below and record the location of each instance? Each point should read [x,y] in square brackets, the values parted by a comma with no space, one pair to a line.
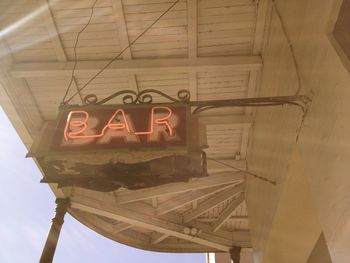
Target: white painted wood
[192,83]
[262,10]
[198,183]
[186,198]
[132,82]
[119,227]
[157,238]
[51,26]
[140,220]
[17,98]
[155,202]
[252,88]
[214,166]
[192,28]
[22,70]
[212,202]
[232,218]
[228,212]
[122,30]
[244,142]
[242,121]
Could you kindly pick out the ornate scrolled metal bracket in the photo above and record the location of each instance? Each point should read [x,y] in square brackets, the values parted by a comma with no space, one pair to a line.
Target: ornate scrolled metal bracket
[143,97]
[184,96]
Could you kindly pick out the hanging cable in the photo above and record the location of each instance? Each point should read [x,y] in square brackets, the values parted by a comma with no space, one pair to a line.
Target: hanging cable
[75,52]
[245,171]
[291,48]
[120,53]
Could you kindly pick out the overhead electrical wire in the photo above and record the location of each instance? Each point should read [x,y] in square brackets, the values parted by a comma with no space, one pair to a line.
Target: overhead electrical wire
[113,59]
[245,171]
[291,48]
[75,50]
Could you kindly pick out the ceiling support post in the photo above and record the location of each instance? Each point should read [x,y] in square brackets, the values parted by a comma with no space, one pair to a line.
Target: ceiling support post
[235,253]
[52,238]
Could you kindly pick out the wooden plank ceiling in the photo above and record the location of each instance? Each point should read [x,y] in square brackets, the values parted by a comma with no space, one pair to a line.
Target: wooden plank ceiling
[208,47]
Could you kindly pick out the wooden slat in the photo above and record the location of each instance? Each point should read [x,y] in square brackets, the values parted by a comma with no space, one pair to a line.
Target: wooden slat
[186,198]
[147,222]
[158,237]
[118,9]
[228,212]
[153,8]
[212,202]
[155,65]
[230,10]
[199,183]
[119,227]
[192,28]
[262,10]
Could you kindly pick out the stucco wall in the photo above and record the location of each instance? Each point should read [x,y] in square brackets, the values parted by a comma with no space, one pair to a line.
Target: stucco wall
[324,140]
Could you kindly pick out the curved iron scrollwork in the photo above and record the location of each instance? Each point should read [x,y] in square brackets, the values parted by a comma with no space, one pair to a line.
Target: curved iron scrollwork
[183,96]
[143,97]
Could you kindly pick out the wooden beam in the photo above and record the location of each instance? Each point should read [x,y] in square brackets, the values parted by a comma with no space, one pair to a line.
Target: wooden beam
[252,88]
[263,7]
[56,41]
[157,238]
[174,188]
[192,28]
[18,101]
[212,202]
[210,220]
[241,121]
[119,227]
[143,221]
[188,197]
[192,84]
[216,167]
[155,202]
[51,27]
[226,214]
[118,10]
[244,142]
[158,66]
[141,211]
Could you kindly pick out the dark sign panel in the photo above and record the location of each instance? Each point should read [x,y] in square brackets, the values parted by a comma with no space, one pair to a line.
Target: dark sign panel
[121,127]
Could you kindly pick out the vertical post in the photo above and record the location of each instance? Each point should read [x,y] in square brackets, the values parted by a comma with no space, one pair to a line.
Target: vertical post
[235,253]
[52,238]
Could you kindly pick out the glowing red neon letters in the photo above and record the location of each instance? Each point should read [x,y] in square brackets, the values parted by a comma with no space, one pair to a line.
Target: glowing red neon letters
[80,125]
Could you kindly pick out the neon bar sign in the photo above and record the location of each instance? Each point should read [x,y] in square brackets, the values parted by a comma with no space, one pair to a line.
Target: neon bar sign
[106,127]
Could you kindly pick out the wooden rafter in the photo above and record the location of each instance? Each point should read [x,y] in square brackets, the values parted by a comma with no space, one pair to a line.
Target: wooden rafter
[147,222]
[158,237]
[226,214]
[192,28]
[173,65]
[52,29]
[119,227]
[16,98]
[122,29]
[56,41]
[216,119]
[212,202]
[174,188]
[186,198]
[262,9]
[192,44]
[141,215]
[216,167]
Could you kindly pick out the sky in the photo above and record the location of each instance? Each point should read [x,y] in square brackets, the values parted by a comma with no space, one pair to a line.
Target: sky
[27,207]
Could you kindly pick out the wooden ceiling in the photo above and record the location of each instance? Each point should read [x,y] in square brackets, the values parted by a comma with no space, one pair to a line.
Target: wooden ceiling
[209,47]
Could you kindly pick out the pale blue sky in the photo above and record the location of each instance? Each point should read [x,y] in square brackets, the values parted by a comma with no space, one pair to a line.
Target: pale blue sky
[28,206]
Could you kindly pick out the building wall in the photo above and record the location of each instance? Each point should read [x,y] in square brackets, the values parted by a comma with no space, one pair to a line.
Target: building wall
[321,145]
